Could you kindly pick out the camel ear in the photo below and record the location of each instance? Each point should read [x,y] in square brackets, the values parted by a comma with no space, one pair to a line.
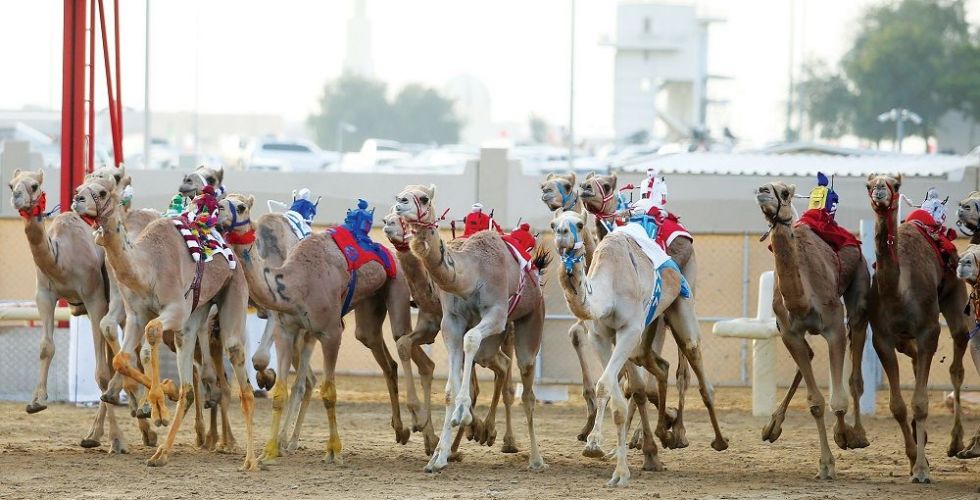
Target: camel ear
[792,190]
[572,175]
[219,172]
[550,176]
[17,172]
[974,194]
[872,176]
[249,201]
[432,191]
[590,175]
[614,178]
[898,179]
[40,176]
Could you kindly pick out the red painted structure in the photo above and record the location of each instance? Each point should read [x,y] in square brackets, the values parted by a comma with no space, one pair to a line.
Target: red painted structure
[77,139]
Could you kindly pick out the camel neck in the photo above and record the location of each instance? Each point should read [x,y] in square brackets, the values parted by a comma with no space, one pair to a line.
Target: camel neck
[887,266]
[121,254]
[439,260]
[423,292]
[44,257]
[576,287]
[785,251]
[255,269]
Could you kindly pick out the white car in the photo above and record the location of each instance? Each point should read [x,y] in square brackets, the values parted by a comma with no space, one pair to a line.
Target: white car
[287,155]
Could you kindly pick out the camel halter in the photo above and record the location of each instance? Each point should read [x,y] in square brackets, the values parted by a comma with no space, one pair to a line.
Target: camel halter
[975,301]
[102,210]
[966,229]
[422,213]
[569,198]
[775,220]
[233,237]
[602,214]
[37,207]
[571,257]
[402,246]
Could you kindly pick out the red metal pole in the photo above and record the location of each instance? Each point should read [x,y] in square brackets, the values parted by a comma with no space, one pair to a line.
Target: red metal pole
[113,113]
[119,105]
[72,99]
[90,166]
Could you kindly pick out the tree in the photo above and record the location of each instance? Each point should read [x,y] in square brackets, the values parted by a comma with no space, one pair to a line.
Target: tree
[539,128]
[422,115]
[906,54]
[418,114]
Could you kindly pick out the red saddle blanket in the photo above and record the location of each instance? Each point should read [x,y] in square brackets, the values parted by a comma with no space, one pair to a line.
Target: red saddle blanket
[670,229]
[358,255]
[940,237]
[521,243]
[827,229]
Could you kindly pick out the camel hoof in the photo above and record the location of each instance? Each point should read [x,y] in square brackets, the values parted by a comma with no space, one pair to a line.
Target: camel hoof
[112,399]
[292,446]
[489,436]
[653,464]
[157,460]
[584,435]
[150,439]
[593,450]
[619,479]
[334,458]
[680,438]
[827,472]
[210,403]
[856,439]
[461,415]
[90,443]
[720,444]
[475,431]
[955,441]
[35,407]
[509,445]
[774,428]
[972,452]
[537,465]
[226,448]
[161,422]
[921,479]
[118,448]
[637,441]
[435,466]
[143,411]
[402,435]
[265,379]
[250,465]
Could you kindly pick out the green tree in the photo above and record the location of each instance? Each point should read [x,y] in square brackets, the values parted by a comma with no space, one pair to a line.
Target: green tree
[354,100]
[418,114]
[906,54]
[539,128]
[422,115]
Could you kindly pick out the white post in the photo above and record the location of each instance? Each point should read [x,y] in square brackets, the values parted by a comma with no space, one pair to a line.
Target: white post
[82,386]
[870,365]
[764,354]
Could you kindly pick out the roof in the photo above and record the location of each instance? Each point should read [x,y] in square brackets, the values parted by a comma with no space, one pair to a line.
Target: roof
[947,166]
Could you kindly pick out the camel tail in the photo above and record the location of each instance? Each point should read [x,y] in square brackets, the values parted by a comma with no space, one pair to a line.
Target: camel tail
[541,257]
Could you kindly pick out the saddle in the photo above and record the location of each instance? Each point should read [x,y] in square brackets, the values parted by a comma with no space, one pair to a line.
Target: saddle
[939,236]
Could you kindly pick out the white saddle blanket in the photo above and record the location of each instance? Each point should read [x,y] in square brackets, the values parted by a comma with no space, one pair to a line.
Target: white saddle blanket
[650,247]
[299,226]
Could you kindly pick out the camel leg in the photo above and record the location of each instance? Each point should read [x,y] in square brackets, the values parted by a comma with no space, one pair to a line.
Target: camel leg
[608,389]
[796,345]
[201,436]
[500,365]
[578,334]
[683,377]
[774,428]
[527,343]
[687,335]
[856,305]
[602,343]
[889,363]
[330,346]
[920,404]
[836,347]
[299,387]
[658,370]
[227,442]
[426,368]
[452,334]
[301,416]
[973,450]
[96,311]
[951,308]
[493,322]
[45,307]
[185,340]
[509,444]
[264,377]
[232,310]
[369,317]
[284,356]
[651,462]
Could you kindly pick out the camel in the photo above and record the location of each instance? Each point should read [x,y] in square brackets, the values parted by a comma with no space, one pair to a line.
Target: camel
[69,266]
[909,291]
[622,309]
[308,291]
[968,217]
[811,280]
[968,270]
[195,181]
[169,307]
[598,195]
[426,296]
[463,272]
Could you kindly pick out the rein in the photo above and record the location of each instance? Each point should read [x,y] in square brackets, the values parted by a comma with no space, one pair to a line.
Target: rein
[37,208]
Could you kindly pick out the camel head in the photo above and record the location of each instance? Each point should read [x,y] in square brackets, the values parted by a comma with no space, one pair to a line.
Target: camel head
[558,191]
[968,268]
[414,204]
[968,214]
[94,201]
[111,177]
[776,201]
[25,189]
[598,193]
[883,191]
[395,229]
[568,225]
[195,181]
[234,212]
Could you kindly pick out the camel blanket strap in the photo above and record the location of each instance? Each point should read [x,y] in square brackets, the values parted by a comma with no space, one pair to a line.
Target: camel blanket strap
[351,285]
[658,289]
[196,284]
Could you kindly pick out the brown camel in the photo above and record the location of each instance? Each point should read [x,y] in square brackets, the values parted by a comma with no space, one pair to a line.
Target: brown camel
[426,296]
[911,288]
[166,307]
[70,266]
[811,280]
[968,217]
[308,291]
[622,309]
[463,272]
[598,195]
[194,182]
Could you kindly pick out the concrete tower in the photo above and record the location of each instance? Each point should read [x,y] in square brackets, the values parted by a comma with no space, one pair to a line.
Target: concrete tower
[358,60]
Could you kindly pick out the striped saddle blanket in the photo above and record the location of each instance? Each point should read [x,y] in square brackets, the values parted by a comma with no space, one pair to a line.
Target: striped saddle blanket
[203,241]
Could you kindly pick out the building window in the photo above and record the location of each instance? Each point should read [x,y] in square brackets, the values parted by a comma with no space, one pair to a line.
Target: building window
[646,25]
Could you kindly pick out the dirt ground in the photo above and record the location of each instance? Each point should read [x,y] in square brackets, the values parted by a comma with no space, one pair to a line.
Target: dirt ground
[39,458]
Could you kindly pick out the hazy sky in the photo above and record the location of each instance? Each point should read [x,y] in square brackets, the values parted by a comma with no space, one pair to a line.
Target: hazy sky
[251,56]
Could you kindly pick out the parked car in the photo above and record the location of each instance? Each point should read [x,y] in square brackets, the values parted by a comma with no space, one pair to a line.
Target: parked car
[287,155]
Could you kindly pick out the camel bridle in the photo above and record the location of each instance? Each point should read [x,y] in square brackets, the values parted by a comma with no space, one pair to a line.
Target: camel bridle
[774,219]
[886,212]
[569,197]
[103,209]
[603,213]
[964,227]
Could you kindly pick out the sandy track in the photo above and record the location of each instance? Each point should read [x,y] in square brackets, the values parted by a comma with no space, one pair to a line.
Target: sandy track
[39,458]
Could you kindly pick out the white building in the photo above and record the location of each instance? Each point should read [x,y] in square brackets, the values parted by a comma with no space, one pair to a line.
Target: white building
[358,59]
[661,69]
